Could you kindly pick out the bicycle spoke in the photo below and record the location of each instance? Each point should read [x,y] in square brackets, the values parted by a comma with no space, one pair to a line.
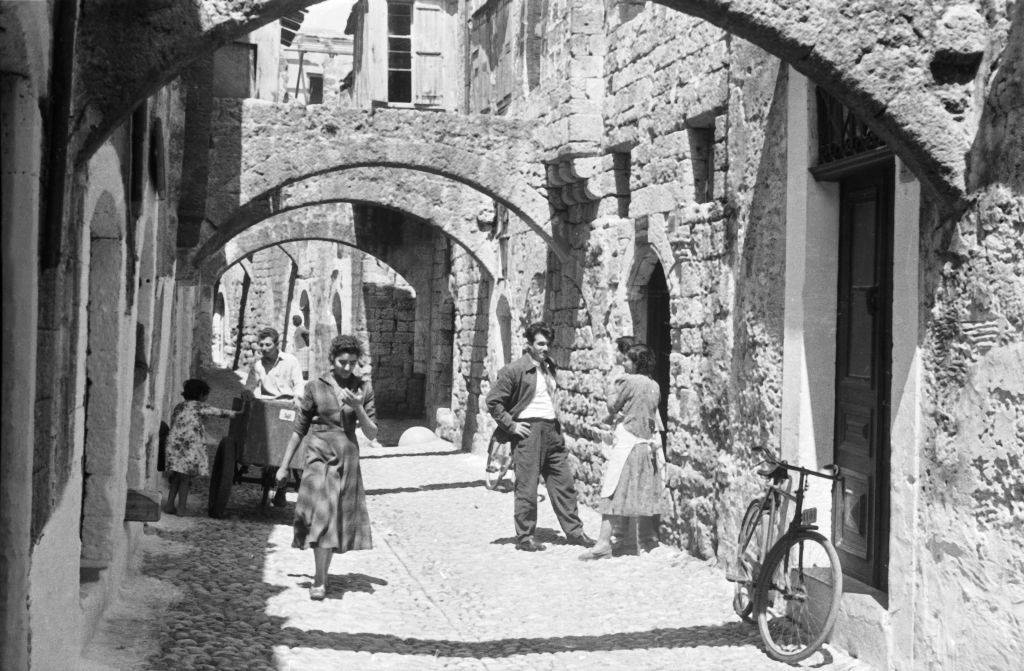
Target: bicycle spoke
[802,597]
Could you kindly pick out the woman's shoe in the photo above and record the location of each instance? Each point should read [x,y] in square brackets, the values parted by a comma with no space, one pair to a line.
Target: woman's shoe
[317,592]
[594,553]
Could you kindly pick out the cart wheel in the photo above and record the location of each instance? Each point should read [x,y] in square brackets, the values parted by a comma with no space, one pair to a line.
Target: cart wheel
[221,478]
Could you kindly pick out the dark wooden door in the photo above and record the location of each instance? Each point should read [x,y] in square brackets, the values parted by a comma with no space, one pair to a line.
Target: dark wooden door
[659,333]
[863,366]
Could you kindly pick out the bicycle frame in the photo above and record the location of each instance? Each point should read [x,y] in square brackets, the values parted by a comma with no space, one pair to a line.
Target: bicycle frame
[776,502]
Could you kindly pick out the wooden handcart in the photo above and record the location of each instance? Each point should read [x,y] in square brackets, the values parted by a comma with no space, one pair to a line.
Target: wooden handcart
[257,439]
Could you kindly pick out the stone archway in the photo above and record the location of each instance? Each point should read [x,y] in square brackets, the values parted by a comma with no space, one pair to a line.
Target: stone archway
[249,167]
[448,205]
[850,52]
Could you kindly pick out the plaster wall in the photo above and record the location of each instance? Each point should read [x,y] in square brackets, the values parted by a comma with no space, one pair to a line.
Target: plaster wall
[812,259]
[53,578]
[268,57]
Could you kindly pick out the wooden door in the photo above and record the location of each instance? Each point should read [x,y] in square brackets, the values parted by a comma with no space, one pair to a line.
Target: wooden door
[863,372]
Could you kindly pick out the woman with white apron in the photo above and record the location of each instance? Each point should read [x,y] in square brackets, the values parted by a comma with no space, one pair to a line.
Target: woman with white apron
[632,484]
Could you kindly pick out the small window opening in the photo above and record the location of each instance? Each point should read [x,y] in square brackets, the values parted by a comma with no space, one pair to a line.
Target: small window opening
[702,159]
[316,90]
[622,166]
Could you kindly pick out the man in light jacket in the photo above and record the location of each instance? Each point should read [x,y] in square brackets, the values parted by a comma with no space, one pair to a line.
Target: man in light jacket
[524,403]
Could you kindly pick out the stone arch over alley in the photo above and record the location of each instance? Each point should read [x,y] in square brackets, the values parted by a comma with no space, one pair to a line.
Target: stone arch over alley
[670,149]
[451,207]
[902,94]
[405,318]
[259,148]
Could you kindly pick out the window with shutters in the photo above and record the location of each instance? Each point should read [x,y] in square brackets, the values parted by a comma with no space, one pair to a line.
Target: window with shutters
[502,38]
[400,52]
[494,73]
[480,79]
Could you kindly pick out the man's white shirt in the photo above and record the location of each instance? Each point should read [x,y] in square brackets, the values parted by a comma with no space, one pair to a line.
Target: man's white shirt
[283,379]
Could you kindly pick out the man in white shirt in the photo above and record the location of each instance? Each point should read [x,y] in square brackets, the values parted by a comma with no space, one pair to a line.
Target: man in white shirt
[275,374]
[524,402]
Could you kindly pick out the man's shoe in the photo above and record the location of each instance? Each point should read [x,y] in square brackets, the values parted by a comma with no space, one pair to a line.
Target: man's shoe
[582,540]
[530,545]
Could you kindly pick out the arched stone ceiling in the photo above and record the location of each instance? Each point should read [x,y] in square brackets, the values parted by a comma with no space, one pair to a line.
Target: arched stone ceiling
[876,56]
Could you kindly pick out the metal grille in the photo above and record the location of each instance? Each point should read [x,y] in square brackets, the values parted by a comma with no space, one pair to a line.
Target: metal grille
[840,133]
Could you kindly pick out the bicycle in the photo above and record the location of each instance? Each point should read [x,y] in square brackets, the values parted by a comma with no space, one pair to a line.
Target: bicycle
[499,461]
[794,576]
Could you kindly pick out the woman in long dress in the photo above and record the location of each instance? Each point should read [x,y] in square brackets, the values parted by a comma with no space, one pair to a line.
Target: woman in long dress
[331,515]
[632,485]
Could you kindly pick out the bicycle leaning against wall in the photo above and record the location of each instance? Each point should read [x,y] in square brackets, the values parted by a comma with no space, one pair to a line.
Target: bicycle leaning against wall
[788,580]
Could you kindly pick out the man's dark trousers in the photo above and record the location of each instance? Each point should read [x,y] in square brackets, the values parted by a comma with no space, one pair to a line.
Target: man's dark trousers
[544,453]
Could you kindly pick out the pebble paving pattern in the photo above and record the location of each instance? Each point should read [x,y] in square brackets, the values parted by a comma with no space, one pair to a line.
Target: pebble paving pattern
[443,588]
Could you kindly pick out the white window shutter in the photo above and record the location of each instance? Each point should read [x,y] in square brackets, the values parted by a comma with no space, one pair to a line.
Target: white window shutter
[428,67]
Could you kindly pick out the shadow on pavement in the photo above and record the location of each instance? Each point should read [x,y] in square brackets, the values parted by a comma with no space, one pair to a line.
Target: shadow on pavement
[426,488]
[340,585]
[444,453]
[221,621]
[729,634]
[540,534]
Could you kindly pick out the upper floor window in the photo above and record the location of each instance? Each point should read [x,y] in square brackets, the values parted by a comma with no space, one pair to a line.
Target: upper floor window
[416,32]
[400,52]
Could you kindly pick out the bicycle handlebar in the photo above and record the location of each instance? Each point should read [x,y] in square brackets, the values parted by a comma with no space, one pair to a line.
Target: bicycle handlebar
[774,460]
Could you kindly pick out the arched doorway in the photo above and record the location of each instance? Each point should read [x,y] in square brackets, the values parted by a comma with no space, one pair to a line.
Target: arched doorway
[658,336]
[218,326]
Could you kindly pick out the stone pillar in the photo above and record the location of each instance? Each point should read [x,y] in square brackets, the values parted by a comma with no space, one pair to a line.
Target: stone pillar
[202,327]
[21,127]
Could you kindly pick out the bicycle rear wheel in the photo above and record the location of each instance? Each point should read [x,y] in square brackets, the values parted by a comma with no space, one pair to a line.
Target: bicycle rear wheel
[499,458]
[748,563]
[798,593]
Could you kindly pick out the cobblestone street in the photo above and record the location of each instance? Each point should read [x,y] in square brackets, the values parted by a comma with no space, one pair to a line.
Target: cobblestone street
[442,588]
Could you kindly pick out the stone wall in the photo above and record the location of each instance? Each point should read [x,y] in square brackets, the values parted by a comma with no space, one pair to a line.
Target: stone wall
[266,301]
[972,317]
[470,425]
[689,174]
[390,305]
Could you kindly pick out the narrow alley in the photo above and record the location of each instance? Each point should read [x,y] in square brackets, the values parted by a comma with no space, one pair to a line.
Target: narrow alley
[442,588]
[644,244]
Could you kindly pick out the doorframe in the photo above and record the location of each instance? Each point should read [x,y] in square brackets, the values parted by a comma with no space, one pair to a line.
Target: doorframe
[858,179]
[885,633]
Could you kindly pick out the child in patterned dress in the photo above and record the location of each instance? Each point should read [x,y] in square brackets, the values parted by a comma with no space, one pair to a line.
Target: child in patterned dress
[186,444]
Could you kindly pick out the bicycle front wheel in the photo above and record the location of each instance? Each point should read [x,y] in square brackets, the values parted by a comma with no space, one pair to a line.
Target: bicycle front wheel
[499,458]
[798,593]
[750,553]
